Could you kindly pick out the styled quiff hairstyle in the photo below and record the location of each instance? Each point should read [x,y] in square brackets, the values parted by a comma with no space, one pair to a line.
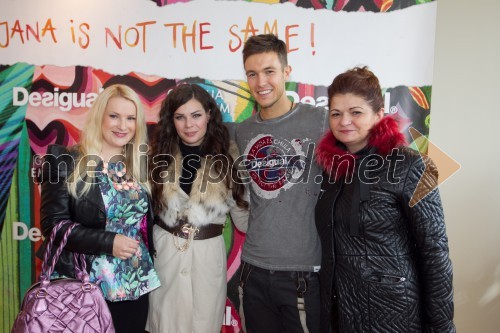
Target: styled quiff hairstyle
[265,43]
[91,142]
[359,81]
[215,144]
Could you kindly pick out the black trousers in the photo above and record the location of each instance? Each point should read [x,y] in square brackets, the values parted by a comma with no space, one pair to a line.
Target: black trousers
[270,300]
[130,316]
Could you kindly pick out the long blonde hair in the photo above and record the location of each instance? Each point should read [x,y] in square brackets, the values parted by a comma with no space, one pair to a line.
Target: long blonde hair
[91,142]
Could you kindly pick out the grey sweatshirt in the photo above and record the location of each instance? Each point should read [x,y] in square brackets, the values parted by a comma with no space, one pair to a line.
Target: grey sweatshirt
[284,186]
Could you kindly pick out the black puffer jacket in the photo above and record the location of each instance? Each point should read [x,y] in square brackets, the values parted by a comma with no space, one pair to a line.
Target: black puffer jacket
[385,265]
[89,237]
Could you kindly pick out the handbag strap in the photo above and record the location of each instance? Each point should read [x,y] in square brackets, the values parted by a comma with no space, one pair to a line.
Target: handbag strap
[79,259]
[80,267]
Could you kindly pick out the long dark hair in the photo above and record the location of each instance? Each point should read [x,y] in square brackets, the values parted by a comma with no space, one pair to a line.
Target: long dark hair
[215,144]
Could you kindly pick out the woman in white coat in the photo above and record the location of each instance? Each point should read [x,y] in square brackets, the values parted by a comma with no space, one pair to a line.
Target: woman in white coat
[194,186]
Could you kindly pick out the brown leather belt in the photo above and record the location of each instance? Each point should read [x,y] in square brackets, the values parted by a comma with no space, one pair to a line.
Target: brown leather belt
[203,232]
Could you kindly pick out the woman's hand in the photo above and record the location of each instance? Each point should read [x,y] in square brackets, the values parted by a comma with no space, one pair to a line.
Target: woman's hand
[124,247]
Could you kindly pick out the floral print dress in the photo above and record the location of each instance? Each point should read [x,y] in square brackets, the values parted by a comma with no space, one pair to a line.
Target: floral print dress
[126,205]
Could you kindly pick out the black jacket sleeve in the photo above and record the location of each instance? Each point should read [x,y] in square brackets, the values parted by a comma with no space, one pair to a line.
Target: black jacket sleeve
[89,237]
[426,219]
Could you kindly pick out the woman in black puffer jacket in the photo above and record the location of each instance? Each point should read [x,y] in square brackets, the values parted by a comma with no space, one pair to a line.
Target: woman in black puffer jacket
[385,264]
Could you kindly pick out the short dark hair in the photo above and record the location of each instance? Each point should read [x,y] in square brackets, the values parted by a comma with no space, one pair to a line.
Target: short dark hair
[265,43]
[359,81]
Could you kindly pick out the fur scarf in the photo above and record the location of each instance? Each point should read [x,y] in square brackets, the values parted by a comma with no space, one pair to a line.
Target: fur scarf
[209,199]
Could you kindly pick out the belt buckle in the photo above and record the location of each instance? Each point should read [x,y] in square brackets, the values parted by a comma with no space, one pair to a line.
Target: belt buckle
[188,229]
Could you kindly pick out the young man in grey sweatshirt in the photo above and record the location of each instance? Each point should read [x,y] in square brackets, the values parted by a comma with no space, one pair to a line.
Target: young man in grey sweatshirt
[281,254]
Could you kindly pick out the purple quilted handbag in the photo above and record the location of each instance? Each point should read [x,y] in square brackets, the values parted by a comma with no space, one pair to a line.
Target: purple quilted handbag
[63,305]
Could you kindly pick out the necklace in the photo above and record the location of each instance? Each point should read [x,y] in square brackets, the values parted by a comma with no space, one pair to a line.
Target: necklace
[119,178]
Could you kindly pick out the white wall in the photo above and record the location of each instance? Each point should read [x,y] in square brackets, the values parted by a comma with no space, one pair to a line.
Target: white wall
[466,124]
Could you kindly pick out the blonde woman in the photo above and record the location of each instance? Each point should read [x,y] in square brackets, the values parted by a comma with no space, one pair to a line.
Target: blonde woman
[101,184]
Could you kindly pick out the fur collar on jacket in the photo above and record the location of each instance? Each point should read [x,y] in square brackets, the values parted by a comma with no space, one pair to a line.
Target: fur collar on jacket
[209,197]
[384,136]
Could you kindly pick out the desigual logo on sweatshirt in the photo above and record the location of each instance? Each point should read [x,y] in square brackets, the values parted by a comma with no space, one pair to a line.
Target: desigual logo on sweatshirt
[274,164]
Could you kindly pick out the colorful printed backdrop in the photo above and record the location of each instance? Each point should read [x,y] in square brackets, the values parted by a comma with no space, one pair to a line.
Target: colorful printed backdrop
[45,103]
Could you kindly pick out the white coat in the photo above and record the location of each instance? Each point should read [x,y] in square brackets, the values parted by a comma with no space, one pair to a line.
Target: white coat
[192,296]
